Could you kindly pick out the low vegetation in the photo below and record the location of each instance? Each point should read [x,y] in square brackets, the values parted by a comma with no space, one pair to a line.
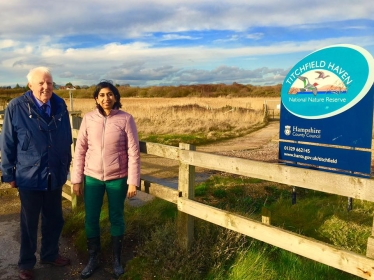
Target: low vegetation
[195,121]
[221,254]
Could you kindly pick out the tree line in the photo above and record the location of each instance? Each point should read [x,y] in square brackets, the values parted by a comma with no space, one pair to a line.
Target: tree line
[198,90]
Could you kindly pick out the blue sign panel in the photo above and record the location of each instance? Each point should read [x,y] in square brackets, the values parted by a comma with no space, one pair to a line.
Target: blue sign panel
[351,128]
[326,156]
[327,98]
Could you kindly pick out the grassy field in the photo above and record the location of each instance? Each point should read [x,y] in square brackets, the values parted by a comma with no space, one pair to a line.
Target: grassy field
[189,120]
[129,104]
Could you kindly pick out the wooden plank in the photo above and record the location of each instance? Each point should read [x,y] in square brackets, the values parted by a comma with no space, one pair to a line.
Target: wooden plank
[186,179]
[148,185]
[160,150]
[313,249]
[370,247]
[67,196]
[74,122]
[265,216]
[344,185]
[186,185]
[74,133]
[370,244]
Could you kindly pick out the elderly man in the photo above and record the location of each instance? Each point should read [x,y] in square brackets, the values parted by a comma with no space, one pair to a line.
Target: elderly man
[36,155]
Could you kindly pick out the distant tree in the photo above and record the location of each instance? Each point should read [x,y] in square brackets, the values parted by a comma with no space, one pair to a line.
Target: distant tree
[77,87]
[17,86]
[70,85]
[117,85]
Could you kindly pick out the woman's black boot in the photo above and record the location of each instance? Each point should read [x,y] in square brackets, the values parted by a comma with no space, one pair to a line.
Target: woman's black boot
[117,250]
[93,246]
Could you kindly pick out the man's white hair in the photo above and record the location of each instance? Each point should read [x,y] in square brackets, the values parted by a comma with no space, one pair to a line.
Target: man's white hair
[35,70]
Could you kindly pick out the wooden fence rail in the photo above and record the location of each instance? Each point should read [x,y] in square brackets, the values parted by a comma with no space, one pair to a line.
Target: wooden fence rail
[359,188]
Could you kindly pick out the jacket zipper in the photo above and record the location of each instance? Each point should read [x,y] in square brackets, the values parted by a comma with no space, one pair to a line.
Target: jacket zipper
[102,148]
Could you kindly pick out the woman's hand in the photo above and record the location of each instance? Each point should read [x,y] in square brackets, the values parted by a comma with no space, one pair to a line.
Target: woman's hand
[131,192]
[78,189]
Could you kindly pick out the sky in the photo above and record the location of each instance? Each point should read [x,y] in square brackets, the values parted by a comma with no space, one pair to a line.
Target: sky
[173,42]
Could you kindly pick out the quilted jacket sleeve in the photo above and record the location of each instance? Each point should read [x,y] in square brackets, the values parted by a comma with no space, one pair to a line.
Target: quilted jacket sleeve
[133,153]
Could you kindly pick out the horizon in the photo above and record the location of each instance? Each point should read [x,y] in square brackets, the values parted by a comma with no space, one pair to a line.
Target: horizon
[170,43]
[127,85]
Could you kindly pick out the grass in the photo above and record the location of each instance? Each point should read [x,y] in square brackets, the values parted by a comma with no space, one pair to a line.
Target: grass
[218,253]
[195,121]
[175,139]
[198,138]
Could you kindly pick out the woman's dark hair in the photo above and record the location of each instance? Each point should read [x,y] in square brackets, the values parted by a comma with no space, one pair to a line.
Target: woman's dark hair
[113,88]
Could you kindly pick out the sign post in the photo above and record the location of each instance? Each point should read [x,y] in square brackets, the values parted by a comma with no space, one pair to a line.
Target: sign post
[71,98]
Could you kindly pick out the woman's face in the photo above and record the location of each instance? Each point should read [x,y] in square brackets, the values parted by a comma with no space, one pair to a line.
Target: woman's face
[106,99]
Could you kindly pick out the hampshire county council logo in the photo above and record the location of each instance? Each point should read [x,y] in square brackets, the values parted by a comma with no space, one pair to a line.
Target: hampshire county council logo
[327,82]
[287,130]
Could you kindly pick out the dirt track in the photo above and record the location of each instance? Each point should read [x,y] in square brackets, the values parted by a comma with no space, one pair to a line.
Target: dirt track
[257,145]
[255,140]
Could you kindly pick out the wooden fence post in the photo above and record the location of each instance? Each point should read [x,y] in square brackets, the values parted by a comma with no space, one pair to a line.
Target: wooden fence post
[265,117]
[186,186]
[370,244]
[266,216]
[73,196]
[75,121]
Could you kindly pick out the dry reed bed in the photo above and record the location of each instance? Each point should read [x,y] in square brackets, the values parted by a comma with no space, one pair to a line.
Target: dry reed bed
[188,115]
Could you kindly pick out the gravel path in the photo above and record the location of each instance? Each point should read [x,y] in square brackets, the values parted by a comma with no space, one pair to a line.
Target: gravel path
[260,145]
[10,242]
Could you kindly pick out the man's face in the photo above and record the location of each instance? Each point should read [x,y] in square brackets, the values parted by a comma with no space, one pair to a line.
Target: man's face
[41,86]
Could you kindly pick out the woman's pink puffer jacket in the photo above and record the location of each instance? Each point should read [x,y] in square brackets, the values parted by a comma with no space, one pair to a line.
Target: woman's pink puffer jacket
[107,148]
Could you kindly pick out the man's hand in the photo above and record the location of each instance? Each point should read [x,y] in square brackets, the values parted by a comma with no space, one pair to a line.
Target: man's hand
[131,192]
[13,184]
[78,189]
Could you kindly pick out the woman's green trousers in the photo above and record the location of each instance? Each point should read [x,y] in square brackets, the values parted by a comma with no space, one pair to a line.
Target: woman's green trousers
[94,191]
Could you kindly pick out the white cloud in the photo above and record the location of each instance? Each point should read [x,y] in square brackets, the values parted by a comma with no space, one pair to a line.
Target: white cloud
[161,42]
[255,36]
[178,37]
[138,17]
[7,44]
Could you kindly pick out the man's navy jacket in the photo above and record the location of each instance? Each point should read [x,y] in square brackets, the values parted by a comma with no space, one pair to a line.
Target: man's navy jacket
[35,148]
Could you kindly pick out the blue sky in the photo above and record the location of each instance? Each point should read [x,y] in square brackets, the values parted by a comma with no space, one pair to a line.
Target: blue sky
[165,42]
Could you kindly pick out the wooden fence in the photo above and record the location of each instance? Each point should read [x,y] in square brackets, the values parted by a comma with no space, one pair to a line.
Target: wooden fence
[189,209]
[183,197]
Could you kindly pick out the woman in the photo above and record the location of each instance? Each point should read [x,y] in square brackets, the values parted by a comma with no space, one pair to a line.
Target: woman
[107,159]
